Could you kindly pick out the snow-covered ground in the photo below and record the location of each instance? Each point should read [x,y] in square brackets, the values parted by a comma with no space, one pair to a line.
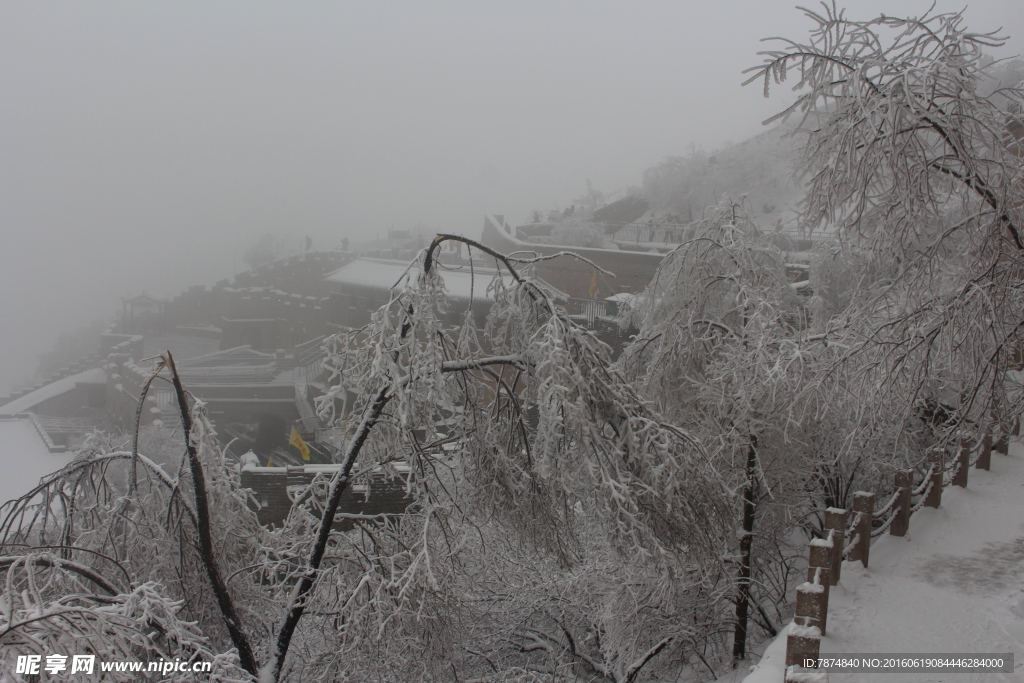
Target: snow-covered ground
[24,458]
[953,584]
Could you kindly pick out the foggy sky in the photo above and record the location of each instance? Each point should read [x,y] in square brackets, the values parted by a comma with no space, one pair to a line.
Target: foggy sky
[144,146]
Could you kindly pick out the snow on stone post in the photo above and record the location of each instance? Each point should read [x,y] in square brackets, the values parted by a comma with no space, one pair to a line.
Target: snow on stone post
[819,573]
[938,462]
[804,638]
[810,605]
[904,483]
[796,674]
[985,457]
[835,523]
[963,462]
[802,642]
[864,506]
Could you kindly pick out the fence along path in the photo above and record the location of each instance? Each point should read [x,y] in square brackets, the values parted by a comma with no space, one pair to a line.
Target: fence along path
[848,535]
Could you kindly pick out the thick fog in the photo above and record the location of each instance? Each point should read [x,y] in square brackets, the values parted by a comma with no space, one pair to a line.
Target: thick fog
[145,146]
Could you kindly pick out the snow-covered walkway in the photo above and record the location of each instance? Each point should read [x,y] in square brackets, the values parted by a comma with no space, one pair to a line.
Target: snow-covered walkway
[953,584]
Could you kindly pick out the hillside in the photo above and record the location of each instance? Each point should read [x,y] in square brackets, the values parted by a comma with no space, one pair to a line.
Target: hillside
[760,170]
[759,173]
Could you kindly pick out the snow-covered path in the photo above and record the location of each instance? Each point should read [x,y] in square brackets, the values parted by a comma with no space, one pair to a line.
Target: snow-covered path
[953,584]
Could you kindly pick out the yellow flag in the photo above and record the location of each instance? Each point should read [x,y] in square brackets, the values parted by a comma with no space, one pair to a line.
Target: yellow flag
[296,440]
[593,285]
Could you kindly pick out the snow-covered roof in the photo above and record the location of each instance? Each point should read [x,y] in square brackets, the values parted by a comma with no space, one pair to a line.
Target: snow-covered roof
[61,386]
[24,458]
[384,274]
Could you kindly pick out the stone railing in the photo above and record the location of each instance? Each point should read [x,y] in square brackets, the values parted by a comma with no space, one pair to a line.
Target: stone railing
[848,535]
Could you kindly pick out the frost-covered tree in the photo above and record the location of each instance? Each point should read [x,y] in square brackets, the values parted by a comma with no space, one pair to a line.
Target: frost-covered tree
[574,517]
[554,451]
[724,350]
[730,350]
[111,557]
[919,166]
[551,435]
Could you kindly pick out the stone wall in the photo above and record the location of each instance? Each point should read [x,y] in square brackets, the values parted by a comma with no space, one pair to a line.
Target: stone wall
[382,494]
[633,270]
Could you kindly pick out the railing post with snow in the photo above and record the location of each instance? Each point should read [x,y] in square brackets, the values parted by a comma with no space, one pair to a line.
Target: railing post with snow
[985,457]
[963,462]
[804,637]
[864,506]
[802,642]
[810,605]
[819,572]
[904,482]
[835,523]
[938,462]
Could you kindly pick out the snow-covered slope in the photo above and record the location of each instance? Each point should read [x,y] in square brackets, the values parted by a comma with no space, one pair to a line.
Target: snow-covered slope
[953,584]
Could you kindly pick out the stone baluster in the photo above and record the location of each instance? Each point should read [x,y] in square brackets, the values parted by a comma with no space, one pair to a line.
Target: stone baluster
[864,507]
[904,483]
[835,523]
[963,462]
[937,459]
[985,457]
[819,572]
[802,642]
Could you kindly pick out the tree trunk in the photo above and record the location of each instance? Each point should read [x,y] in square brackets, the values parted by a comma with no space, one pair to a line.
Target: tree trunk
[207,556]
[739,643]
